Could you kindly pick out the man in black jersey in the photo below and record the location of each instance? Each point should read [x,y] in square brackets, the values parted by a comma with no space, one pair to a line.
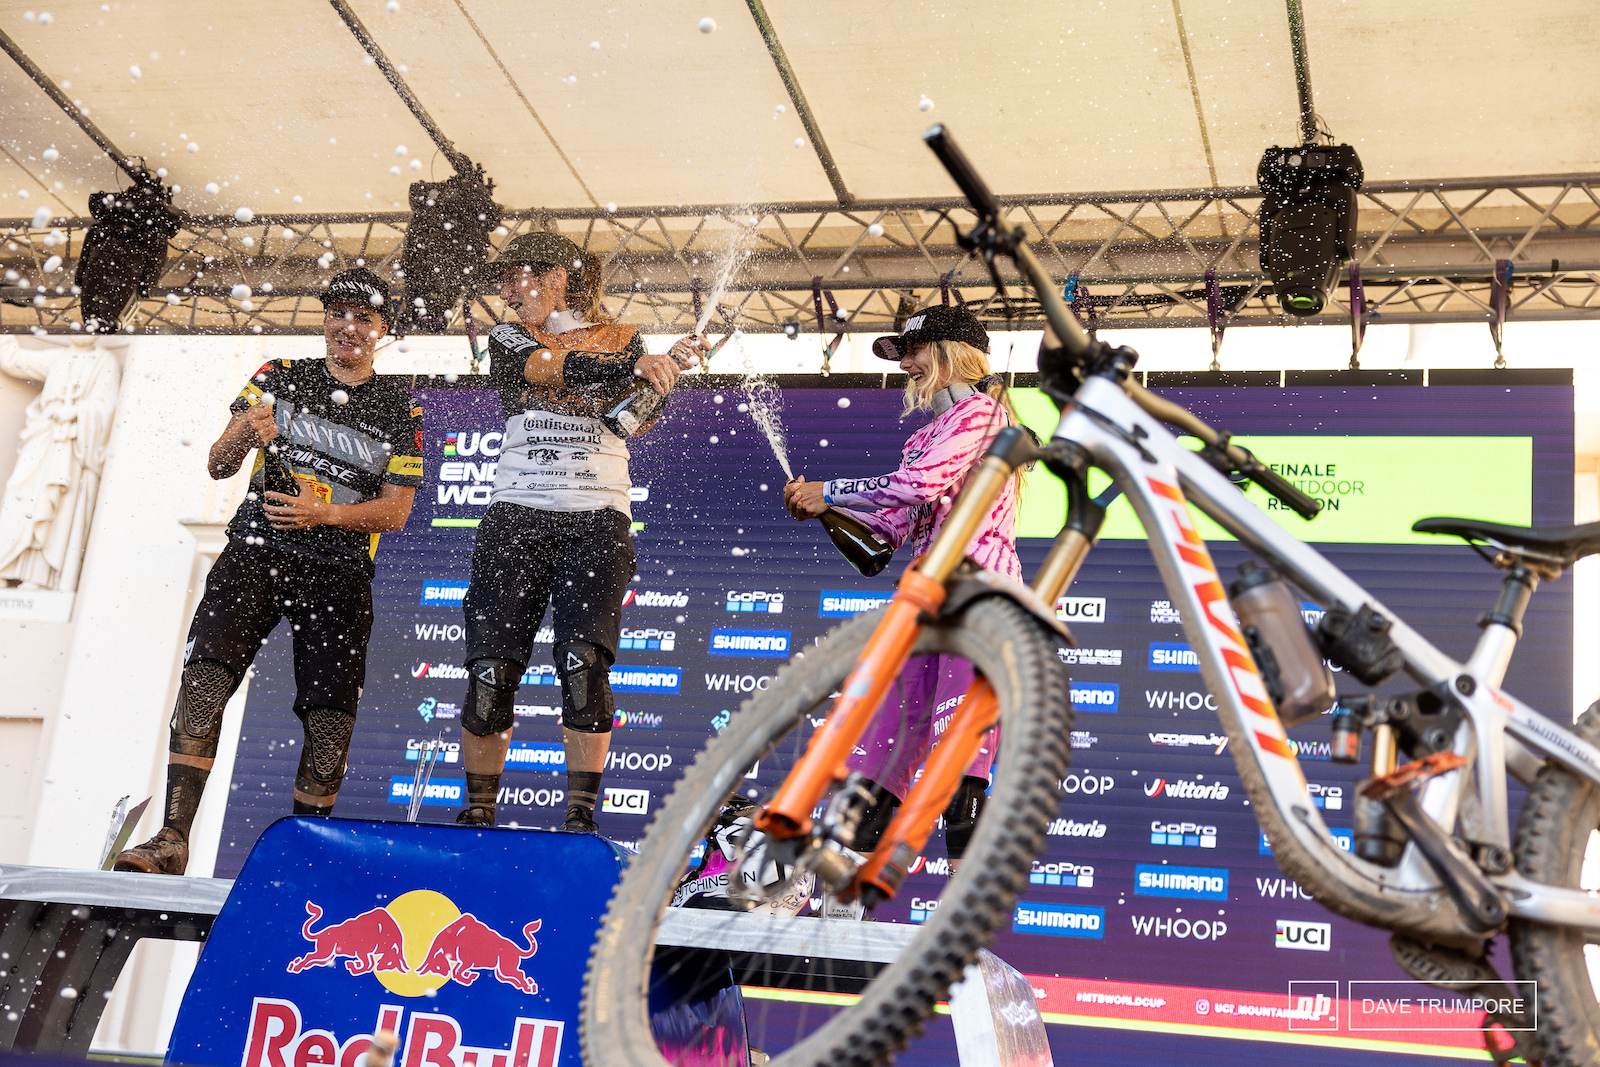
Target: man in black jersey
[354,445]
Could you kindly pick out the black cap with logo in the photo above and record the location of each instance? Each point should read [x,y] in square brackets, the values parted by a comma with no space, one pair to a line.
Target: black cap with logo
[358,286]
[937,322]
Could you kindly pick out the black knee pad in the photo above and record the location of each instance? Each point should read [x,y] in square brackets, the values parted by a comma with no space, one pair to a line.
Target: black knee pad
[203,692]
[961,817]
[326,753]
[586,702]
[491,696]
[877,819]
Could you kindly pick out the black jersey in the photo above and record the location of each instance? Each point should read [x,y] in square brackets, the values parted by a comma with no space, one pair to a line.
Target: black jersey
[348,450]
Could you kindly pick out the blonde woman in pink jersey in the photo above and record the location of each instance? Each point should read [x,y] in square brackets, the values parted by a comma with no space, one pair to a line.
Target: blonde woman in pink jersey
[944,352]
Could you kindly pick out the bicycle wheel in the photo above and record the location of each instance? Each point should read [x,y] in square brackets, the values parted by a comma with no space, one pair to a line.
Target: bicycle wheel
[1018,656]
[1558,844]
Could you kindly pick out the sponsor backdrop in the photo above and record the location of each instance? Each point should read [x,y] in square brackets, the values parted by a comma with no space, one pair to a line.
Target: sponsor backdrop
[1155,869]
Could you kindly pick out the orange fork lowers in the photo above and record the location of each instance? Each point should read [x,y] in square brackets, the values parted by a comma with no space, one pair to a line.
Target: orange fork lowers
[788,814]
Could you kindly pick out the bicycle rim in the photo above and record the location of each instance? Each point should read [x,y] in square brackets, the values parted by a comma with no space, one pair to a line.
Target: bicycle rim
[844,1017]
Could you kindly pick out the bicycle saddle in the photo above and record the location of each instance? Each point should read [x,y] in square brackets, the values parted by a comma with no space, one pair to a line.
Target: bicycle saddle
[1564,543]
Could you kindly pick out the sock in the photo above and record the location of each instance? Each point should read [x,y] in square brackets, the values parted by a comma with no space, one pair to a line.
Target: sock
[302,808]
[583,789]
[185,785]
[482,791]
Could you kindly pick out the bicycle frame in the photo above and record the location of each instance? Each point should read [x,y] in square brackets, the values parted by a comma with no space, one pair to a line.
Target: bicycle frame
[1160,477]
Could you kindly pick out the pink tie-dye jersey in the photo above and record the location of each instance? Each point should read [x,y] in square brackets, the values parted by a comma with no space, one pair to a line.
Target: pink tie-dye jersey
[916,499]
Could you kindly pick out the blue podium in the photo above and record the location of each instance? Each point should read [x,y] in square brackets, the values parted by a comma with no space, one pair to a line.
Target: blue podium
[470,944]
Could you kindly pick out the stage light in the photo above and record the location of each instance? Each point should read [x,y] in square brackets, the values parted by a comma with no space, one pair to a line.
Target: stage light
[791,330]
[124,252]
[1307,220]
[446,247]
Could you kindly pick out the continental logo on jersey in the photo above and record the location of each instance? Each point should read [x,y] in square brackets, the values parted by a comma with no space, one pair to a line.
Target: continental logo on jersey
[406,466]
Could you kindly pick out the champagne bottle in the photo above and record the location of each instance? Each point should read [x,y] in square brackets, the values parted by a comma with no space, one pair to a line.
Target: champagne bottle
[866,552]
[635,407]
[276,472]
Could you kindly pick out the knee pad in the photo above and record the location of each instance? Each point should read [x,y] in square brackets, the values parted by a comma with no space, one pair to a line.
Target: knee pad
[327,750]
[203,692]
[491,696]
[961,817]
[877,819]
[586,702]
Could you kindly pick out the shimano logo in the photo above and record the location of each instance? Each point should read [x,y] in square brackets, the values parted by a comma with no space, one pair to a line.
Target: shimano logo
[649,639]
[1062,920]
[439,791]
[646,679]
[1081,609]
[1188,834]
[1173,657]
[1343,838]
[650,598]
[530,755]
[768,644]
[443,593]
[844,604]
[1292,933]
[1186,883]
[1179,789]
[1063,874]
[756,601]
[1095,696]
[1073,828]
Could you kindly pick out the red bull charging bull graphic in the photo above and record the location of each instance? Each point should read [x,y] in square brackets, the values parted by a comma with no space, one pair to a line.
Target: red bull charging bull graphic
[468,945]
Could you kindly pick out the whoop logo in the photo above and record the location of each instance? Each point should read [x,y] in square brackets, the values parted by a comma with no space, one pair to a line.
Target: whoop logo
[1241,673]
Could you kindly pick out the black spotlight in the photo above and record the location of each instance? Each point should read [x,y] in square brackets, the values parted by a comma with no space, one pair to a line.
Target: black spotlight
[446,246]
[124,252]
[1307,220]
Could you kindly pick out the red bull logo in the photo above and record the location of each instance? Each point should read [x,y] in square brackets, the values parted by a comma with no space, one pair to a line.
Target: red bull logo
[416,943]
[278,1038]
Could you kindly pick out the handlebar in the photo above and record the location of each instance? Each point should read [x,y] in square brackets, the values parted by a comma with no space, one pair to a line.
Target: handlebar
[993,235]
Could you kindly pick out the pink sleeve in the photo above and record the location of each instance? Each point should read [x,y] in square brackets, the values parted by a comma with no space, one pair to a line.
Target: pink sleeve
[959,437]
[893,525]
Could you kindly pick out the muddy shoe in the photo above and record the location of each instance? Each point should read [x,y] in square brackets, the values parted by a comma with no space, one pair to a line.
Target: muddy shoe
[579,821]
[165,853]
[474,816]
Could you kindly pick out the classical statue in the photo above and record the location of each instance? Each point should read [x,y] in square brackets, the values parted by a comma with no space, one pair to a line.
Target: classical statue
[48,502]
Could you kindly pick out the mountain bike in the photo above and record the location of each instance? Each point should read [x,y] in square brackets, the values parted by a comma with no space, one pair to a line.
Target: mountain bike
[1438,865]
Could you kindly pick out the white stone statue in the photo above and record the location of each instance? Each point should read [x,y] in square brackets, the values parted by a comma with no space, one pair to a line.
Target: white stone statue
[48,501]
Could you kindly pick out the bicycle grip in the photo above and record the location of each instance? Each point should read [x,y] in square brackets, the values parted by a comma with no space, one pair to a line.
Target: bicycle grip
[1306,507]
[962,171]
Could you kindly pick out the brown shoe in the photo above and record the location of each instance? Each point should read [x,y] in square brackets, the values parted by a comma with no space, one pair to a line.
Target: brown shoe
[165,853]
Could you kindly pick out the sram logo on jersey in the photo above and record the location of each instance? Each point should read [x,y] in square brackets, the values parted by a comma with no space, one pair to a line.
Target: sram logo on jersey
[437,593]
[1060,920]
[1064,874]
[650,598]
[1313,937]
[756,601]
[845,604]
[1179,789]
[648,639]
[1095,696]
[1081,609]
[767,644]
[1169,656]
[1185,883]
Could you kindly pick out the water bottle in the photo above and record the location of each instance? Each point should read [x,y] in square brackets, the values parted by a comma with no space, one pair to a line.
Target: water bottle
[1270,620]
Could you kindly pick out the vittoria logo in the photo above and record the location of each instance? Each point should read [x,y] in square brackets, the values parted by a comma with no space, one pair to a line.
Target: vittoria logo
[1180,789]
[1073,828]
[650,598]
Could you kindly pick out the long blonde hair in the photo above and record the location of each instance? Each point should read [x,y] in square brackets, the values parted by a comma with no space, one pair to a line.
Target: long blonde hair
[585,289]
[958,363]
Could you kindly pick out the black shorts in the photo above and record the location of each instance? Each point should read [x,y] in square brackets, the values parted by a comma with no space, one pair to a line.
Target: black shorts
[524,558]
[251,587]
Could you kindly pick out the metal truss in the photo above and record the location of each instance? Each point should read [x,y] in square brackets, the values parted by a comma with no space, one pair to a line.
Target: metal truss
[1427,252]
